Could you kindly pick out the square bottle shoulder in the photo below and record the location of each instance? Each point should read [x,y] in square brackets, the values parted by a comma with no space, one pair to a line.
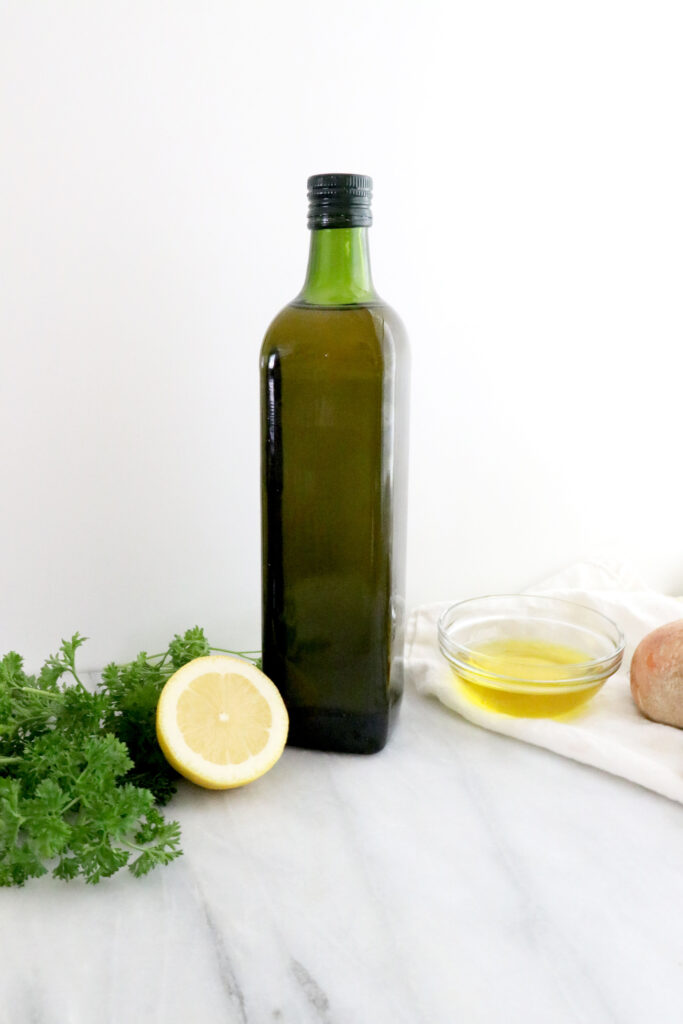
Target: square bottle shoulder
[300,328]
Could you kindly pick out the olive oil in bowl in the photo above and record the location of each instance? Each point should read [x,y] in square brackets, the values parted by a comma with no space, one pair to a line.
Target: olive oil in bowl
[526,678]
[529,656]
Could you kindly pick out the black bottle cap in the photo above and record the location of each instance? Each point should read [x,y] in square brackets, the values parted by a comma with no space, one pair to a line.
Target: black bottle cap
[339,201]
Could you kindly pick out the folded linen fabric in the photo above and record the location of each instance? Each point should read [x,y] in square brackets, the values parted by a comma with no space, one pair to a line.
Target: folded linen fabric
[609,732]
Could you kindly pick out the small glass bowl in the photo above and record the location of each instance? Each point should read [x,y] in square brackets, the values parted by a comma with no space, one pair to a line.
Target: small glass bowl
[472,634]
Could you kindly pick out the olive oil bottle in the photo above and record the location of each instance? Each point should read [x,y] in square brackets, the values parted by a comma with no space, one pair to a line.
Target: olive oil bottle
[334,396]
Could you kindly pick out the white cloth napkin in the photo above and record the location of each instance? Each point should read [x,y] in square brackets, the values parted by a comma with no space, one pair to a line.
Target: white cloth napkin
[609,733]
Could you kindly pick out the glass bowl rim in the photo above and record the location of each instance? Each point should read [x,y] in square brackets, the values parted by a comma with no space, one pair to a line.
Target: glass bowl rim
[599,668]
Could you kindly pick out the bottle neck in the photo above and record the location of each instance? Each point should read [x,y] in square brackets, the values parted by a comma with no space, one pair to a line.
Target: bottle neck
[338,268]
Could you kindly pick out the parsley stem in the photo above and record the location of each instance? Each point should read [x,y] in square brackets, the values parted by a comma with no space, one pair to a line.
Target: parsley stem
[132,846]
[43,693]
[240,654]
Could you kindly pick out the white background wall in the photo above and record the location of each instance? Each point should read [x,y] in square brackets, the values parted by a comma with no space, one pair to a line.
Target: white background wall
[528,170]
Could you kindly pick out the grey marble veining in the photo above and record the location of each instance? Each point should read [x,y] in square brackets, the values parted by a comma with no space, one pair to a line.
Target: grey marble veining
[458,876]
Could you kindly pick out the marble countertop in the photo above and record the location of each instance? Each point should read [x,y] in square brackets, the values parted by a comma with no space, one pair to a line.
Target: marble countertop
[458,877]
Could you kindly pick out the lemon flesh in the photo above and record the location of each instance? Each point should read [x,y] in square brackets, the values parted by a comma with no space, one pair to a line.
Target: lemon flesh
[221,722]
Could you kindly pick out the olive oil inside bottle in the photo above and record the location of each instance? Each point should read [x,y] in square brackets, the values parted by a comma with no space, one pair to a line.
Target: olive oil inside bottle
[333,574]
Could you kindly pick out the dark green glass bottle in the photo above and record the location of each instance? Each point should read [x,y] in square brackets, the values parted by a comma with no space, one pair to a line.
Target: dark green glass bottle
[334,398]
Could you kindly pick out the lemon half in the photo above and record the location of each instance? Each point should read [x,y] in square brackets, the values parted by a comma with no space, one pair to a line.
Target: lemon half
[221,722]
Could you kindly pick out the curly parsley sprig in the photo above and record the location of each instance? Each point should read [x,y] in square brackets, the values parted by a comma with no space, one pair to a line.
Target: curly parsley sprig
[81,771]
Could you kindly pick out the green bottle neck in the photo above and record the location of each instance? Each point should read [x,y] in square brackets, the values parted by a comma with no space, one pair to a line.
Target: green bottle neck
[338,268]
